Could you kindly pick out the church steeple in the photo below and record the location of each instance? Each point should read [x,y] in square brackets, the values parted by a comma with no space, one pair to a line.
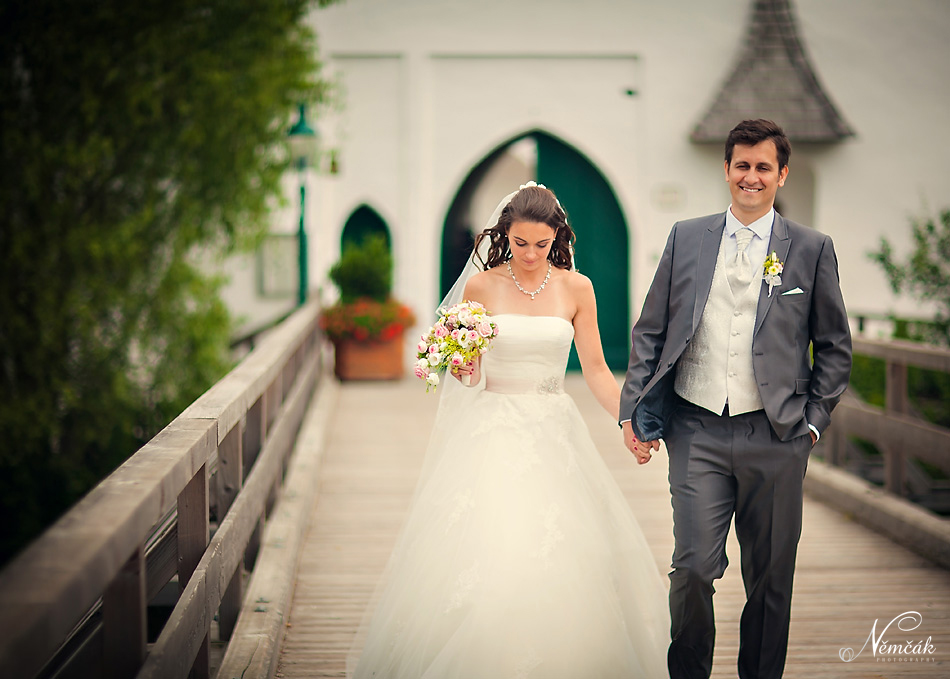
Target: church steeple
[773,79]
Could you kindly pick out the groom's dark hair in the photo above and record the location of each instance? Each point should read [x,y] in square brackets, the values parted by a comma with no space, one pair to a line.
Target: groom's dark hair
[752,132]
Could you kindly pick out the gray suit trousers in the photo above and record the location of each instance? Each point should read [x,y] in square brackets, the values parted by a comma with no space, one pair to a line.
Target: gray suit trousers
[721,467]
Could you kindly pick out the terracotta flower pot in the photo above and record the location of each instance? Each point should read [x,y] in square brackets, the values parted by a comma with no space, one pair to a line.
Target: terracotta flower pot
[369,359]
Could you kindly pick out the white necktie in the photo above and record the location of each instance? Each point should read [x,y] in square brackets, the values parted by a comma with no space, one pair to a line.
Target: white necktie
[740,269]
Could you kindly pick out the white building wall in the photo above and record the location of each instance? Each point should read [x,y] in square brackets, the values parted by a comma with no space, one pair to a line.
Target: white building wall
[430,87]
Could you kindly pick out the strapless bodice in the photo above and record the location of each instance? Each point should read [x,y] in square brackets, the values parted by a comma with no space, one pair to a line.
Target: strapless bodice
[529,355]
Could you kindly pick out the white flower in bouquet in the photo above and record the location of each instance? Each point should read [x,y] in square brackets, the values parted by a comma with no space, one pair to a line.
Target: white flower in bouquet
[421,369]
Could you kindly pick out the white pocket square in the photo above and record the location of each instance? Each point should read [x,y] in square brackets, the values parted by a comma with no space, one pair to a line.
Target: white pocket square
[794,291]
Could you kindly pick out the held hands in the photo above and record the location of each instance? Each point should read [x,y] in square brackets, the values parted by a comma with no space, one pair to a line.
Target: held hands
[468,374]
[643,450]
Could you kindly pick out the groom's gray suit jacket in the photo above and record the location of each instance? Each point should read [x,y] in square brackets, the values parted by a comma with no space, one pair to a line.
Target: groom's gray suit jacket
[795,389]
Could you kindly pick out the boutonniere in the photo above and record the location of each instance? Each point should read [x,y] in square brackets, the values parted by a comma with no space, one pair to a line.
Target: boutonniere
[772,271]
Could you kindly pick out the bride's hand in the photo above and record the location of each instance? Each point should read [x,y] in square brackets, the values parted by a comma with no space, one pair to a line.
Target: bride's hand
[643,450]
[470,369]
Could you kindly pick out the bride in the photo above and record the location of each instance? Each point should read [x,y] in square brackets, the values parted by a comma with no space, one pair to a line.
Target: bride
[520,557]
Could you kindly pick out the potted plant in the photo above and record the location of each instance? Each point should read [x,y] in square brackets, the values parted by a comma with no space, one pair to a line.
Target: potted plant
[366,325]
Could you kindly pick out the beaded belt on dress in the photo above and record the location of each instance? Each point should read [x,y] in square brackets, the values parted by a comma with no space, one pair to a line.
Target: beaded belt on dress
[545,386]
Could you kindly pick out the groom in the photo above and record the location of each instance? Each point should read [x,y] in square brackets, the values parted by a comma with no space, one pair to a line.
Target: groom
[737,369]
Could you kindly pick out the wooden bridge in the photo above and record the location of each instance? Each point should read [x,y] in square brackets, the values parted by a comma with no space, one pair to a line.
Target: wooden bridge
[269,507]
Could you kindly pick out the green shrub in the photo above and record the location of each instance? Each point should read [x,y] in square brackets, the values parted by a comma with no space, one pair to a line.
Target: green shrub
[364,270]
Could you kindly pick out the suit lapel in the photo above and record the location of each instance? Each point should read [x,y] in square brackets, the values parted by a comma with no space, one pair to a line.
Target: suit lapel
[779,243]
[706,264]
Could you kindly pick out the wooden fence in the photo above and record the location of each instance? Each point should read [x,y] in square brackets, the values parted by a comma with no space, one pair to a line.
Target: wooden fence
[894,430]
[73,604]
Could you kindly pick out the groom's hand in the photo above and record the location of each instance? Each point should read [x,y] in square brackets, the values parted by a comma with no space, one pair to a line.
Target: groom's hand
[642,450]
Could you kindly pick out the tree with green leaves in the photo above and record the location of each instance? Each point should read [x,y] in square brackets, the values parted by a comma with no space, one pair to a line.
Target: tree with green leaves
[925,275]
[926,272]
[134,137]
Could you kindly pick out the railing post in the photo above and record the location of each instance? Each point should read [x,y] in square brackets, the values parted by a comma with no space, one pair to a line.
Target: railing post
[274,401]
[192,541]
[274,398]
[838,443]
[255,435]
[895,402]
[230,481]
[123,620]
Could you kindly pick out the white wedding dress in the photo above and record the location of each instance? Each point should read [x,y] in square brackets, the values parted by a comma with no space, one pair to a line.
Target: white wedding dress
[520,557]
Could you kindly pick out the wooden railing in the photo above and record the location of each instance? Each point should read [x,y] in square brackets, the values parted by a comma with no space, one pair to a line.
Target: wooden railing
[74,602]
[899,435]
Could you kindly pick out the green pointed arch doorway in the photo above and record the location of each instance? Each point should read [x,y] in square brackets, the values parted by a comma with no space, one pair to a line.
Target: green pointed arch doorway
[363,221]
[595,215]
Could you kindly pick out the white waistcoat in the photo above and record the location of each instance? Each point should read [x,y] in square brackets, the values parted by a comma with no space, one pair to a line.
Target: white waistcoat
[717,363]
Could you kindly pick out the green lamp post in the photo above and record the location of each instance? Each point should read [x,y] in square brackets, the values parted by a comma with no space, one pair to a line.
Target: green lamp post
[303,146]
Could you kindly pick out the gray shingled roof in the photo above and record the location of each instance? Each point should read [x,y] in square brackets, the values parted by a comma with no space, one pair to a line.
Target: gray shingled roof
[773,79]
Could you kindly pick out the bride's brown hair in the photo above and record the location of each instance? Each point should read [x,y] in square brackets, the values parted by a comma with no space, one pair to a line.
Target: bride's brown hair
[530,204]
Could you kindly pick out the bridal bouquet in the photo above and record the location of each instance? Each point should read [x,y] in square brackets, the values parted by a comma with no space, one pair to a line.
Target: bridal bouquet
[463,333]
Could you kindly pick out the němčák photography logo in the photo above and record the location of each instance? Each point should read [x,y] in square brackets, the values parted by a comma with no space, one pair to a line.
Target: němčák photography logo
[894,643]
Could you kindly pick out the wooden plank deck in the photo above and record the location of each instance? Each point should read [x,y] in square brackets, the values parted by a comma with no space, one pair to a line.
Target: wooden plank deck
[847,576]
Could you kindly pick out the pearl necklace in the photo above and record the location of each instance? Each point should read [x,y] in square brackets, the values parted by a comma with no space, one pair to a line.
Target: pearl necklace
[530,294]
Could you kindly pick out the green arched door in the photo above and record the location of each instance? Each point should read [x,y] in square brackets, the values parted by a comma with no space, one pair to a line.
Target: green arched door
[597,220]
[601,230]
[363,222]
